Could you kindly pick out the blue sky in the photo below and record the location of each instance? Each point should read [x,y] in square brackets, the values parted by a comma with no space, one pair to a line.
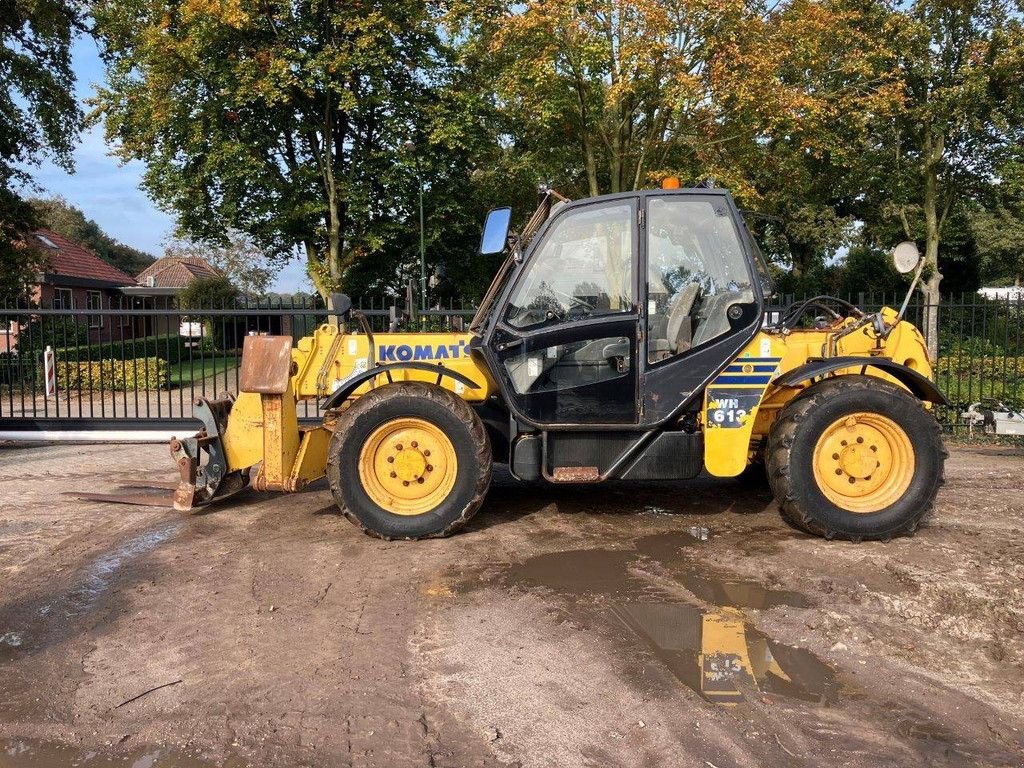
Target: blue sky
[109,192]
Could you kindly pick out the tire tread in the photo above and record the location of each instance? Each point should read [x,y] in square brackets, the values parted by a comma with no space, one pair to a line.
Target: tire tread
[443,397]
[781,439]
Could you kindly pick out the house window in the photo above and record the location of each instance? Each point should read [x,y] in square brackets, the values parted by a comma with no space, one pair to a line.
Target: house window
[63,298]
[94,300]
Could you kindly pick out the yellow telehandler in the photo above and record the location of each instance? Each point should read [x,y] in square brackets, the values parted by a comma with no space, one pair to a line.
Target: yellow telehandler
[624,337]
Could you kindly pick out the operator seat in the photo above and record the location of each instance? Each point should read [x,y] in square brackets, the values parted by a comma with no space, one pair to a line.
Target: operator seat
[679,322]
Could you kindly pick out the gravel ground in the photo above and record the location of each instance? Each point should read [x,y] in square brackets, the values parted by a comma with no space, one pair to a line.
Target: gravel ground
[623,625]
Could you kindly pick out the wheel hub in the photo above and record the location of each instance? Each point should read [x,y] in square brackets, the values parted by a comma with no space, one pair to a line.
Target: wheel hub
[858,461]
[863,462]
[408,466]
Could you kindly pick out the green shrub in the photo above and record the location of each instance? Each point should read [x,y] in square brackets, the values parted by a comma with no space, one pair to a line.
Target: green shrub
[964,378]
[145,373]
[169,348]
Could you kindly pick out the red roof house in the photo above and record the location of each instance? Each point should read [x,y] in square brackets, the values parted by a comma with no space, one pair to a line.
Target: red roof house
[76,278]
[172,273]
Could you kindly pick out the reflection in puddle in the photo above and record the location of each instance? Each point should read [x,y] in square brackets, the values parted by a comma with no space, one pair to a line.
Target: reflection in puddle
[713,651]
[717,654]
[32,753]
[739,594]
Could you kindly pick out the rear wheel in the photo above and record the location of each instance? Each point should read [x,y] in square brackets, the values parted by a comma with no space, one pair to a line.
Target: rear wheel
[409,461]
[855,457]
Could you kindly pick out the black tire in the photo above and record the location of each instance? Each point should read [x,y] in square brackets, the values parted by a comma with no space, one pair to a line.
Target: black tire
[791,447]
[433,404]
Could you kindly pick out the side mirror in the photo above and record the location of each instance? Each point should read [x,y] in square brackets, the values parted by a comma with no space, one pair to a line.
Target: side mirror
[340,304]
[495,234]
[906,257]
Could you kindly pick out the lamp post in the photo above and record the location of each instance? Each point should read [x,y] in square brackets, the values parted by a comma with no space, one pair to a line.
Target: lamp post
[423,248]
[410,147]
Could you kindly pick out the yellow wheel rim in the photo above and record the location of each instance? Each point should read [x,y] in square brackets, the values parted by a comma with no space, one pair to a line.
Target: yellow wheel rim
[863,462]
[408,466]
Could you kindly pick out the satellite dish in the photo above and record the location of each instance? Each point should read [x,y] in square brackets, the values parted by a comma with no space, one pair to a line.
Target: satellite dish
[905,257]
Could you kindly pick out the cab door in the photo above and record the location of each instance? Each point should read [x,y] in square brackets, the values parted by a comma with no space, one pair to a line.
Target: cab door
[564,343]
[703,299]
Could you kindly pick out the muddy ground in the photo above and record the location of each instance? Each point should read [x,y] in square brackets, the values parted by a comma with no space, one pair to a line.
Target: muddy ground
[666,625]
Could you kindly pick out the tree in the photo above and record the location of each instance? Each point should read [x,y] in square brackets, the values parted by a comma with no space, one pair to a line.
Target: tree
[1000,237]
[39,116]
[998,224]
[209,293]
[243,263]
[961,63]
[20,260]
[599,89]
[65,219]
[773,100]
[281,120]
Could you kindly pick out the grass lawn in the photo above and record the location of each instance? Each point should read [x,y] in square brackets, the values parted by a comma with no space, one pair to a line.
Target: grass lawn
[197,369]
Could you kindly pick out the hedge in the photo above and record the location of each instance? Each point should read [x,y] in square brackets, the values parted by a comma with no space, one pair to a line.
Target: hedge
[170,348]
[963,378]
[144,373]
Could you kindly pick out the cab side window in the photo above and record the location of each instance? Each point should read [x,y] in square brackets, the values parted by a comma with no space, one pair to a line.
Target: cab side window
[696,270]
[583,269]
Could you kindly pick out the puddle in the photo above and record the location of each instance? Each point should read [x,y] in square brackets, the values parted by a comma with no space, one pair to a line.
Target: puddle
[606,572]
[711,650]
[32,753]
[721,657]
[93,582]
[578,571]
[675,552]
[740,594]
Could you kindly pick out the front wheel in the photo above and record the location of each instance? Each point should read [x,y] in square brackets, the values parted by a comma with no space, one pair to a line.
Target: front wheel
[855,457]
[408,461]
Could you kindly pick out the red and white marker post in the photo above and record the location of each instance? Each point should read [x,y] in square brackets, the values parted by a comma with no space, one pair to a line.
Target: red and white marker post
[50,372]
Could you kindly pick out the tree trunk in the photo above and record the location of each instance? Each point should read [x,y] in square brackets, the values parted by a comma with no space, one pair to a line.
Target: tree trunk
[591,163]
[933,231]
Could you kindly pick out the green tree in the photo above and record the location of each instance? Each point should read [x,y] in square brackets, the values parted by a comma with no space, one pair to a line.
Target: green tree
[209,293]
[961,63]
[998,224]
[598,91]
[39,116]
[281,120]
[65,219]
[20,260]
[826,74]
[772,100]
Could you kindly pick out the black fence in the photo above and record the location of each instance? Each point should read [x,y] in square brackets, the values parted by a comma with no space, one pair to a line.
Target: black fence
[132,361]
[143,362]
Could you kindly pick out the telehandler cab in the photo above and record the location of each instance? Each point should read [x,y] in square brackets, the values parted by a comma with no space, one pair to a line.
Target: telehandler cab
[624,337]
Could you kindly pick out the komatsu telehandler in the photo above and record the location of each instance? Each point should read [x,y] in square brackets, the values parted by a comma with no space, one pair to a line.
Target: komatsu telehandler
[625,337]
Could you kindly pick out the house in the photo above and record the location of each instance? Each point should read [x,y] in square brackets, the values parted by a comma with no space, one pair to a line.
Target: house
[76,278]
[169,275]
[157,285]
